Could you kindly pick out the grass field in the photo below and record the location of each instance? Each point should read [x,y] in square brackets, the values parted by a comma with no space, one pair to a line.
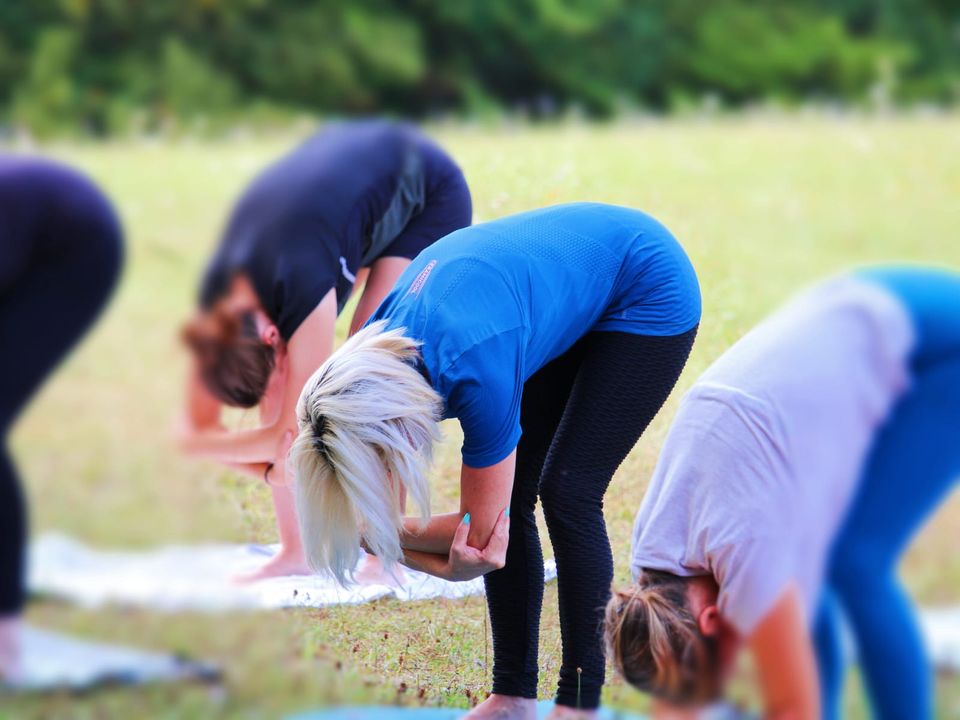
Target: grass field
[762,205]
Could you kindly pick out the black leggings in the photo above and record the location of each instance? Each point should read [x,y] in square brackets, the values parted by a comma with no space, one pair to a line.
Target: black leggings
[60,253]
[581,414]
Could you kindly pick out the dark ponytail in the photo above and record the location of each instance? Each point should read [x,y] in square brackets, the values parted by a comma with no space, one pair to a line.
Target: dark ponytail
[235,364]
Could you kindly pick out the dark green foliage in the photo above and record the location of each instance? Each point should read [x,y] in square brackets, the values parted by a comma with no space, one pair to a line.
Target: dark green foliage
[101,66]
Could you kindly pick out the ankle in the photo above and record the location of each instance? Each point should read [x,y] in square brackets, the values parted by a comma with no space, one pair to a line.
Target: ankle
[290,549]
[511,699]
[10,629]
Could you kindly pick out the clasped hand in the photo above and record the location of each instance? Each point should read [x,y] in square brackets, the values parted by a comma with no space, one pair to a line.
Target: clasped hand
[465,562]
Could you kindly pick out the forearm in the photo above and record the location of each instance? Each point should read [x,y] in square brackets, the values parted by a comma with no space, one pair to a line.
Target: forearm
[365,308]
[426,562]
[785,661]
[202,408]
[797,709]
[237,447]
[435,537]
[383,275]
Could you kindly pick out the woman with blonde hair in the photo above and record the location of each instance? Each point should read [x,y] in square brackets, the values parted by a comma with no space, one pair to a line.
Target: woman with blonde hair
[348,208]
[795,474]
[553,336]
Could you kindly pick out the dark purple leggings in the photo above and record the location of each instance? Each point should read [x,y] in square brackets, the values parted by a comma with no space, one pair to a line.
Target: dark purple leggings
[581,414]
[60,254]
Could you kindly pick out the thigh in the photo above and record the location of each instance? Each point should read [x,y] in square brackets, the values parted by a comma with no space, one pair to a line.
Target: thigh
[27,187]
[620,386]
[542,404]
[932,297]
[44,313]
[914,464]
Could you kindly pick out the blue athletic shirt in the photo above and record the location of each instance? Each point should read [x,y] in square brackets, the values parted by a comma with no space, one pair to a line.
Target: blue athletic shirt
[493,303]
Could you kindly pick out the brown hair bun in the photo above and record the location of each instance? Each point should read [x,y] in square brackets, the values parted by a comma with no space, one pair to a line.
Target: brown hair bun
[655,643]
[235,364]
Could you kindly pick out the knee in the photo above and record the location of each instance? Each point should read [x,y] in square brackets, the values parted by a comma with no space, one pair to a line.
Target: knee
[556,496]
[568,503]
[856,570]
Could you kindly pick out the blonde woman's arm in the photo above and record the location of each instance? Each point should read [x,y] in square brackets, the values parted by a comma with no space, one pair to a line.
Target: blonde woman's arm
[465,562]
[785,660]
[484,494]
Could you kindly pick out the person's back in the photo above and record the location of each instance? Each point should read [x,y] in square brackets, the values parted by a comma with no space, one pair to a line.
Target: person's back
[554,337]
[320,204]
[786,417]
[325,178]
[548,275]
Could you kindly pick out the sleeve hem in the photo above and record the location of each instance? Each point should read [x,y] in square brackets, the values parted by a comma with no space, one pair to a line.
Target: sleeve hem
[747,619]
[482,460]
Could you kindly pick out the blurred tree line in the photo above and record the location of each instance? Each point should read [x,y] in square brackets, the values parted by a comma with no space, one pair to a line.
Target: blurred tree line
[111,65]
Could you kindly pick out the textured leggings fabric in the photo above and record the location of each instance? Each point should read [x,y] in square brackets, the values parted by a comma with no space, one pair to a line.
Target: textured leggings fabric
[581,414]
[914,464]
[60,253]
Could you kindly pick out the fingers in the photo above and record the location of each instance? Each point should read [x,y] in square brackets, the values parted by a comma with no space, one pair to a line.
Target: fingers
[495,552]
[460,534]
[502,528]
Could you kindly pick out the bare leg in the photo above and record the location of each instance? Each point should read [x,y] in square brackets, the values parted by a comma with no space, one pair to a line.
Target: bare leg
[290,560]
[372,572]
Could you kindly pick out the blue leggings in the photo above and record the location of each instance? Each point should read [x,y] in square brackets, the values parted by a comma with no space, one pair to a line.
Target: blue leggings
[913,465]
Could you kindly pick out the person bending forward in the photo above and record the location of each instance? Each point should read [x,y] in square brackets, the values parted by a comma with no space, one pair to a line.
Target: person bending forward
[554,337]
[793,477]
[349,207]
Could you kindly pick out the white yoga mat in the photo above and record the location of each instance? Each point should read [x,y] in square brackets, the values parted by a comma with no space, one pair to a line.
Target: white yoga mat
[199,577]
[52,661]
[941,630]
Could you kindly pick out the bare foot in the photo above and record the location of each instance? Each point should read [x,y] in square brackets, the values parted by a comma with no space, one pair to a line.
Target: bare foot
[10,649]
[283,564]
[372,572]
[504,707]
[562,712]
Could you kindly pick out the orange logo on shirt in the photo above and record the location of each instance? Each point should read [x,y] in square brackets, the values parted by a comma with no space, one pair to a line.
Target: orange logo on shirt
[418,283]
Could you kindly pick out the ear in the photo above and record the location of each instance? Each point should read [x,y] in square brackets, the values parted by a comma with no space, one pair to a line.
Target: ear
[709,621]
[270,335]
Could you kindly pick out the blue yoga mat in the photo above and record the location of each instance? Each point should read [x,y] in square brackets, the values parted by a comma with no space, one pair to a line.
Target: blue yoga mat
[415,713]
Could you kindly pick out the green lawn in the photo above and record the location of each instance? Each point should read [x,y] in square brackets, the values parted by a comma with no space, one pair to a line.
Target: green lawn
[762,205]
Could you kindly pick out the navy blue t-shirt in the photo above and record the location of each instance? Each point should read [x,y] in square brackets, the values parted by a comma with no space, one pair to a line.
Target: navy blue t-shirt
[310,221]
[493,303]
